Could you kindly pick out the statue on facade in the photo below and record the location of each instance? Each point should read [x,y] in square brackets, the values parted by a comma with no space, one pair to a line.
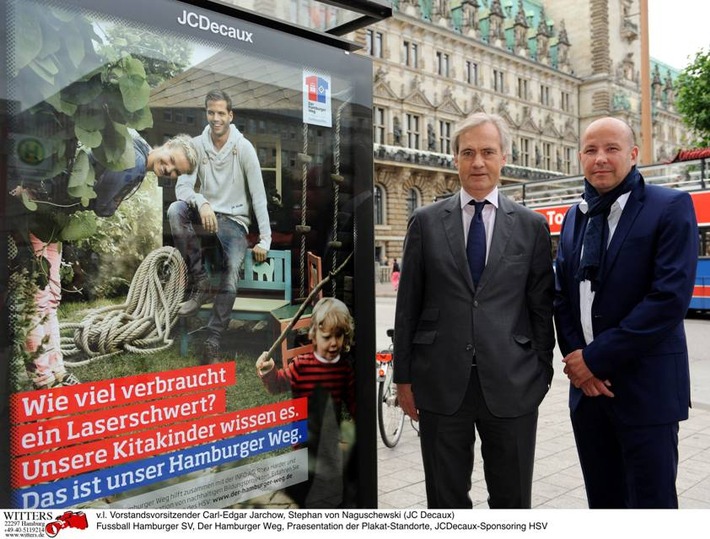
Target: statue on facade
[495,20]
[543,38]
[669,90]
[562,46]
[521,27]
[397,131]
[656,84]
[469,15]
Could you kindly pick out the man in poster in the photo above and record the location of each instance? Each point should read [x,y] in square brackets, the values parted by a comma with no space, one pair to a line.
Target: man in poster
[230,187]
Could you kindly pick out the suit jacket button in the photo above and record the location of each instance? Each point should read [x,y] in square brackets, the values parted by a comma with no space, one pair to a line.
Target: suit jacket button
[469,347]
[475,303]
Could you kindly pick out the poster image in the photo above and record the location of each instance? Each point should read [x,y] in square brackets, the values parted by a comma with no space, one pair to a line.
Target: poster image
[181,233]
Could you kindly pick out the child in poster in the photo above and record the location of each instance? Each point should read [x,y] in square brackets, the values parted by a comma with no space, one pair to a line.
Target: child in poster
[326,377]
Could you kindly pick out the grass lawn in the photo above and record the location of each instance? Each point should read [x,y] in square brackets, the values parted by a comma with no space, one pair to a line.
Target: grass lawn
[242,345]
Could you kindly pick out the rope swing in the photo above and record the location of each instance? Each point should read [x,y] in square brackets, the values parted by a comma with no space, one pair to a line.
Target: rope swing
[337,180]
[303,228]
[143,323]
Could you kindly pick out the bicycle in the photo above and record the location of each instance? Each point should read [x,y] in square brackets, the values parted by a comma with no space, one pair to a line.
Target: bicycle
[390,417]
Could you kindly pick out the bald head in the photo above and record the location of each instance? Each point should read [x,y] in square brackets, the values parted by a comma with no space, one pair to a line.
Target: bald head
[607,153]
[612,123]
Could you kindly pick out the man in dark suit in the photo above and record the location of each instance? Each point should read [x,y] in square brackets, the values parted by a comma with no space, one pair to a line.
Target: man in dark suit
[625,273]
[474,334]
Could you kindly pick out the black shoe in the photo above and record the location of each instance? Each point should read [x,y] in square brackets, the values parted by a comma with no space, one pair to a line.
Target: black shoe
[211,353]
[198,299]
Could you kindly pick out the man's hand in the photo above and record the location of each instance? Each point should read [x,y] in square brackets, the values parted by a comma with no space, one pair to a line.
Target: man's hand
[259,254]
[405,397]
[594,387]
[582,378]
[208,218]
[576,369]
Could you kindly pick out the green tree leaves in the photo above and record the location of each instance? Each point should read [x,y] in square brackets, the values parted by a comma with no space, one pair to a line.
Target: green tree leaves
[693,96]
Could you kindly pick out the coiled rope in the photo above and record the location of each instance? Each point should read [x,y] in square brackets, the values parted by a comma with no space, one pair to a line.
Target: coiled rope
[143,323]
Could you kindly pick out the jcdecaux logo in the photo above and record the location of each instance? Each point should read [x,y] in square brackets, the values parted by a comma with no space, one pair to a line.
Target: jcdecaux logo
[203,22]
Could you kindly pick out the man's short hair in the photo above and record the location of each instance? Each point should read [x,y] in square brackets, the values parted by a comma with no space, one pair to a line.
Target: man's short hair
[477,119]
[184,143]
[218,95]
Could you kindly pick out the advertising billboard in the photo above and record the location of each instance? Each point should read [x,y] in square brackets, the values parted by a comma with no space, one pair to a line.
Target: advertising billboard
[187,285]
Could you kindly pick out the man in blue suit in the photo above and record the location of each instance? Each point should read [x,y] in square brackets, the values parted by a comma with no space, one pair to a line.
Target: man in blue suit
[625,272]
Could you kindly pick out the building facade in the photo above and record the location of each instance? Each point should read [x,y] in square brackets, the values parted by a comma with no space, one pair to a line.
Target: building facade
[549,67]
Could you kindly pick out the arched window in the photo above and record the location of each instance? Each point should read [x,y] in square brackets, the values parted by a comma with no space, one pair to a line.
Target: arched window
[379,205]
[414,200]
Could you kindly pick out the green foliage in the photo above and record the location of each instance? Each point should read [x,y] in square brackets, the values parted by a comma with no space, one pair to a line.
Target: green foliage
[21,304]
[162,56]
[122,241]
[70,97]
[693,97]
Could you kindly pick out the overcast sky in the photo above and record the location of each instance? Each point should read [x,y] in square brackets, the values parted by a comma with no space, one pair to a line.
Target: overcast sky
[677,30]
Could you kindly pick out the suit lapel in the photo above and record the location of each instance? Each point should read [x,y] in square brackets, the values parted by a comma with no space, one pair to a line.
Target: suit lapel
[452,219]
[580,225]
[633,206]
[503,228]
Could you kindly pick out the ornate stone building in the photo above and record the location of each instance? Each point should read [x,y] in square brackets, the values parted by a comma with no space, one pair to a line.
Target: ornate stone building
[549,67]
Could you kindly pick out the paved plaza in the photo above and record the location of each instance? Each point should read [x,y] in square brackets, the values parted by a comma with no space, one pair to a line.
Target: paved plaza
[558,478]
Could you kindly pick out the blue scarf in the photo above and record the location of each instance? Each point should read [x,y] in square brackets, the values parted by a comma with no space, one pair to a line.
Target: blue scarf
[594,235]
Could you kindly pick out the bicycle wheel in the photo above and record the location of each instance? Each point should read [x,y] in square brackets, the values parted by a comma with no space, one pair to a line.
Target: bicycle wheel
[390,416]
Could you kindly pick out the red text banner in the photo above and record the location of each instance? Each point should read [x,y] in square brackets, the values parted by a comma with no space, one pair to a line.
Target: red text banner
[51,465]
[80,428]
[42,404]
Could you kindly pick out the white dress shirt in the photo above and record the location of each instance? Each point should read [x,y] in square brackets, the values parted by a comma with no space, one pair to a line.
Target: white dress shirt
[489,215]
[586,294]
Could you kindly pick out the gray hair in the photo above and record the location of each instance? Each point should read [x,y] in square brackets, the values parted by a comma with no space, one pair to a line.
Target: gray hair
[477,119]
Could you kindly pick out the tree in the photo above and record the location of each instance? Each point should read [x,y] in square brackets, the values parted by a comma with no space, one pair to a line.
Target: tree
[693,97]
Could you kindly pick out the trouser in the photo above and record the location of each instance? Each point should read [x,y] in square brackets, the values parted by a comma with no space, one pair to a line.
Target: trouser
[625,466]
[188,235]
[43,339]
[507,446]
